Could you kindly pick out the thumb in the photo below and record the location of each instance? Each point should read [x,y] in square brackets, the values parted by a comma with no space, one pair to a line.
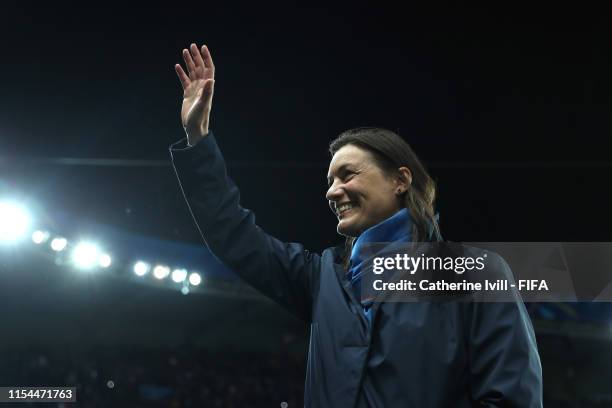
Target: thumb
[200,111]
[204,97]
[208,88]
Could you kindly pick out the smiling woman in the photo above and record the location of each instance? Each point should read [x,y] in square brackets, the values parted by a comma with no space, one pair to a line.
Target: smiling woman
[372,175]
[363,194]
[361,354]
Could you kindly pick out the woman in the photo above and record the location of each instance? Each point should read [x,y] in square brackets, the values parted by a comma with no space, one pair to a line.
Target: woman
[424,354]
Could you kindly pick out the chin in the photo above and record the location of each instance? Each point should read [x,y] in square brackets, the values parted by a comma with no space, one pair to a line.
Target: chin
[348,230]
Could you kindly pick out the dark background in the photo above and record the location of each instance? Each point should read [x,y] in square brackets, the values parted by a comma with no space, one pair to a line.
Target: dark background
[509,107]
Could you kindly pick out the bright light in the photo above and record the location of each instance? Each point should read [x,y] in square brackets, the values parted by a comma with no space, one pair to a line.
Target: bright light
[195,279]
[38,237]
[105,260]
[179,275]
[14,221]
[85,255]
[58,244]
[185,290]
[161,271]
[141,268]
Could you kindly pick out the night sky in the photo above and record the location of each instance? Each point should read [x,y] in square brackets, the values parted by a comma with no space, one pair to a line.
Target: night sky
[508,108]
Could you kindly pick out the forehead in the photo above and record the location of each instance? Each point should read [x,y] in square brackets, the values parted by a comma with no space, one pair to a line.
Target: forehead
[348,156]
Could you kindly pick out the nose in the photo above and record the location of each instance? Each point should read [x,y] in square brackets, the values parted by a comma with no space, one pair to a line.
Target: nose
[334,195]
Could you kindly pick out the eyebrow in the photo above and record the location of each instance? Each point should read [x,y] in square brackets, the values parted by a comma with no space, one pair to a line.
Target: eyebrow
[342,168]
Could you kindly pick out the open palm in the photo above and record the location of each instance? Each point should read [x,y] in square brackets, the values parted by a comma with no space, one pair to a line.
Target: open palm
[198,86]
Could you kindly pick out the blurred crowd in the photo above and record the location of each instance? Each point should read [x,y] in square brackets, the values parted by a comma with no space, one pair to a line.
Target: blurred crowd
[131,377]
[577,371]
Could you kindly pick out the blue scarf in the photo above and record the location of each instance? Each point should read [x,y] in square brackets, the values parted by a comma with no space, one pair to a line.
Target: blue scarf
[397,228]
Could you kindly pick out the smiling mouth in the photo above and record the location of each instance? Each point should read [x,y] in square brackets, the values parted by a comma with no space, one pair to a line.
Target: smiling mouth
[343,209]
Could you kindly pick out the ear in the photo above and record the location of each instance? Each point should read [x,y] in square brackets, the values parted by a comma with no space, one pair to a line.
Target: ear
[404,179]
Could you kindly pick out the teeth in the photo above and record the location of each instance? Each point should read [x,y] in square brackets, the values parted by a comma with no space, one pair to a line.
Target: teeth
[344,207]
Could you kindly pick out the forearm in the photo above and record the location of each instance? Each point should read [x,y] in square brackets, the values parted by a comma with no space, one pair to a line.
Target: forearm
[283,271]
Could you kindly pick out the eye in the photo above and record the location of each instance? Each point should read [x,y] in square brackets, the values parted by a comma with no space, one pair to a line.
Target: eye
[348,176]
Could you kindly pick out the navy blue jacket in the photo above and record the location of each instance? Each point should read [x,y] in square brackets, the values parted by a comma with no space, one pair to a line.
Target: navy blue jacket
[425,354]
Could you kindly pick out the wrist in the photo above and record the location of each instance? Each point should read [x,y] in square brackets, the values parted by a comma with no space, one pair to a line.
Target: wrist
[192,141]
[194,137]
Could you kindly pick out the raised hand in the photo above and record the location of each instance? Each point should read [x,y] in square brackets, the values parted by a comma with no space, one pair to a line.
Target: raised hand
[198,87]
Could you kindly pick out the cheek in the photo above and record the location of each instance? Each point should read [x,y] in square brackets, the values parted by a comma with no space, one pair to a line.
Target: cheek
[385,198]
[353,189]
[372,192]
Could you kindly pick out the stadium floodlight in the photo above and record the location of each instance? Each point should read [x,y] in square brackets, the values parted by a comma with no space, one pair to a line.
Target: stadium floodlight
[14,221]
[179,275]
[85,255]
[141,268]
[195,279]
[39,237]
[58,244]
[105,260]
[161,271]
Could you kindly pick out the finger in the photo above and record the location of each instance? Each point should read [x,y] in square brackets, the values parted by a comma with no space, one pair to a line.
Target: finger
[185,81]
[197,57]
[190,64]
[207,58]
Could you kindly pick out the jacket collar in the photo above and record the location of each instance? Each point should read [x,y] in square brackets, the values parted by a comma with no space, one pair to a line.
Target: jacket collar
[397,228]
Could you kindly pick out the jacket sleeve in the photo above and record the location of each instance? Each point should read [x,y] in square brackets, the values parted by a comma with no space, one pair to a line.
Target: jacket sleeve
[284,272]
[505,368]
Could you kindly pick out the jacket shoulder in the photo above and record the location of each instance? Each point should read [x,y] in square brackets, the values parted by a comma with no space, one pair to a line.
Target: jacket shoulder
[336,253]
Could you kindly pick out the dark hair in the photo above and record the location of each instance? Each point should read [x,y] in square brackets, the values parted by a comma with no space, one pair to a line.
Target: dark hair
[391,152]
